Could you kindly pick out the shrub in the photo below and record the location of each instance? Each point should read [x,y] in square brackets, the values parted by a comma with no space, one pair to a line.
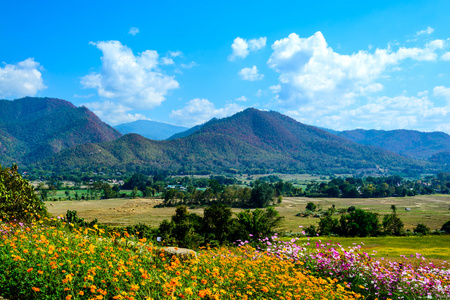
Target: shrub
[17,197]
[422,229]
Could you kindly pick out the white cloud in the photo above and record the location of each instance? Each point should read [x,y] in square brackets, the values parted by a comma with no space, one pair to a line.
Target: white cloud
[241,98]
[133,31]
[442,91]
[445,56]
[113,113]
[428,30]
[310,70]
[132,81]
[167,61]
[251,74]
[175,53]
[21,79]
[198,111]
[189,65]
[241,47]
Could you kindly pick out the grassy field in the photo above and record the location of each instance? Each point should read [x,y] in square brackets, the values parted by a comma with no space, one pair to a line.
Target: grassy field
[431,246]
[431,210]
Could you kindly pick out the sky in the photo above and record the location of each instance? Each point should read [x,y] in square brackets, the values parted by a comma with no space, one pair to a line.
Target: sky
[334,64]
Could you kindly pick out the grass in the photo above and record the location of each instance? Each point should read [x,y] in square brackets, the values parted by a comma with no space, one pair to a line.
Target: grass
[434,247]
[431,210]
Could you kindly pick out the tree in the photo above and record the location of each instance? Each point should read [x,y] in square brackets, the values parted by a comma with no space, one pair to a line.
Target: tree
[328,225]
[422,229]
[217,222]
[311,206]
[392,225]
[262,194]
[359,223]
[258,222]
[446,227]
[17,197]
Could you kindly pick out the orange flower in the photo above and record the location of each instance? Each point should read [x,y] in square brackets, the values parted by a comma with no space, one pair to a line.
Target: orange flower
[29,270]
[69,297]
[35,289]
[81,293]
[204,281]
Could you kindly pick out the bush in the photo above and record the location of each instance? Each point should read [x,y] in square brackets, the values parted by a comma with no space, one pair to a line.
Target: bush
[422,229]
[17,197]
[446,227]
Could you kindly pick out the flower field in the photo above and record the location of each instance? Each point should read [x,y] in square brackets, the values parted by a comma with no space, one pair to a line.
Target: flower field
[51,260]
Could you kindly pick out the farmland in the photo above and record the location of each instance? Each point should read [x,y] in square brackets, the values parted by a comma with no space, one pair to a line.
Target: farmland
[431,210]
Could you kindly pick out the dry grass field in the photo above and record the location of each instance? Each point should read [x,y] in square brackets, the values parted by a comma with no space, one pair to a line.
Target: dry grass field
[432,210]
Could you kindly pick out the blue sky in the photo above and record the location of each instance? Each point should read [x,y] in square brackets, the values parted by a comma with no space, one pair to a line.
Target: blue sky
[335,64]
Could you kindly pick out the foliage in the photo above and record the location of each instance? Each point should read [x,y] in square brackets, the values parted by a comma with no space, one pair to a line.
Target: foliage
[392,225]
[359,223]
[446,227]
[17,197]
[311,206]
[262,194]
[422,229]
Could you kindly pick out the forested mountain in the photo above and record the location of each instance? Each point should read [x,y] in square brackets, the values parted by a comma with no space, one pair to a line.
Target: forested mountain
[190,130]
[32,129]
[415,144]
[249,141]
[150,129]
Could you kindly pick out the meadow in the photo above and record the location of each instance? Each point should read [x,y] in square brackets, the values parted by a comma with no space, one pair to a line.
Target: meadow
[431,210]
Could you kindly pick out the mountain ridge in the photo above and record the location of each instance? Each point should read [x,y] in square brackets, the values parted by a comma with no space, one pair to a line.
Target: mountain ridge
[32,129]
[251,140]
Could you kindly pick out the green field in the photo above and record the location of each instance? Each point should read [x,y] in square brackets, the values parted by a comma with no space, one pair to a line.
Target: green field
[431,246]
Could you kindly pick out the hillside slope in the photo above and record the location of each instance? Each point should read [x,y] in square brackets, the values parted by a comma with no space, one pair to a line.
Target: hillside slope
[411,143]
[249,141]
[32,129]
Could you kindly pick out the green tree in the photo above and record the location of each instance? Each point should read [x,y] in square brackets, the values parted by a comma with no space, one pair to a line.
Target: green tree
[258,222]
[217,223]
[359,223]
[17,197]
[392,225]
[262,194]
[311,206]
[446,227]
[422,229]
[328,225]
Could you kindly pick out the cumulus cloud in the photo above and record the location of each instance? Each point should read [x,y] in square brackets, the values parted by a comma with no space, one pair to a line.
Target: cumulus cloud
[445,56]
[198,111]
[310,70]
[21,79]
[250,74]
[442,91]
[133,31]
[428,30]
[129,80]
[241,47]
[114,113]
[241,98]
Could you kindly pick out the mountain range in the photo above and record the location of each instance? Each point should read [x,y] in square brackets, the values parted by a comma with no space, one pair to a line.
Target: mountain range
[249,141]
[53,133]
[150,129]
[33,129]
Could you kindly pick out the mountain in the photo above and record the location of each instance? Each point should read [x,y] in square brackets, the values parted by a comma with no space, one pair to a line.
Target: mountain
[190,131]
[150,129]
[249,141]
[411,143]
[32,129]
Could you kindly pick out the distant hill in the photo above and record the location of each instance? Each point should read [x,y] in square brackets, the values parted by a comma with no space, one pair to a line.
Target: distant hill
[249,141]
[190,130]
[32,129]
[150,129]
[411,143]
